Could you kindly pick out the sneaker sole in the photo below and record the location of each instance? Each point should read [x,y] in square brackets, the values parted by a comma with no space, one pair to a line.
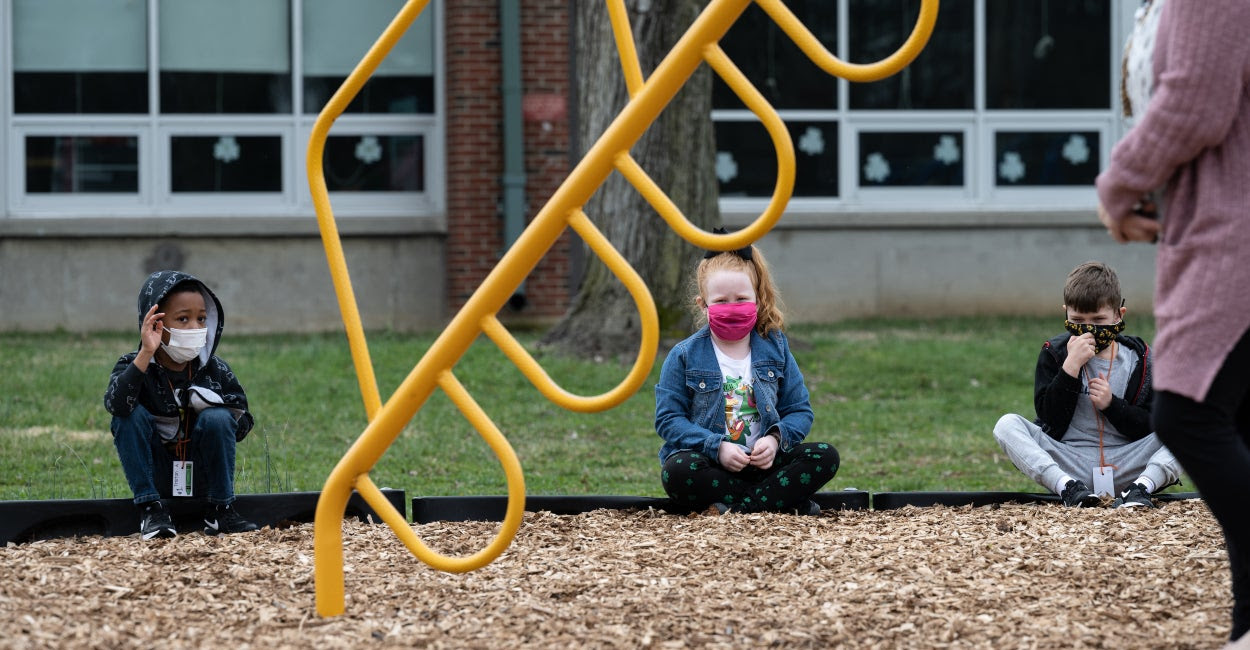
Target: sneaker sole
[165,533]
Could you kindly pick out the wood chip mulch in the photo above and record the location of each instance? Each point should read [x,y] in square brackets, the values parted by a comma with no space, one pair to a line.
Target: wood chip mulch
[1016,576]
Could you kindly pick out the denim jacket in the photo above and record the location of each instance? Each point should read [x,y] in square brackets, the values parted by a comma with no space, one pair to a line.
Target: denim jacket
[689,407]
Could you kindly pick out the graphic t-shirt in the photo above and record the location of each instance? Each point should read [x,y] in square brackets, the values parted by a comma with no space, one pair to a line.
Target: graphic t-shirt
[742,419]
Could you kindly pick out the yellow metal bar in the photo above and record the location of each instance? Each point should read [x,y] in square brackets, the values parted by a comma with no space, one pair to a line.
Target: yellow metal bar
[646,348]
[516,263]
[321,199]
[831,64]
[625,45]
[478,314]
[328,546]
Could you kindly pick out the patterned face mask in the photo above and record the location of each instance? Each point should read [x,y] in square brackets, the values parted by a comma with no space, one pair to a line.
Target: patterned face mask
[1103,334]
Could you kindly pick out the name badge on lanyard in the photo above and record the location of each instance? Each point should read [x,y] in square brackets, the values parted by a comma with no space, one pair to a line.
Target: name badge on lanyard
[1104,481]
[182,478]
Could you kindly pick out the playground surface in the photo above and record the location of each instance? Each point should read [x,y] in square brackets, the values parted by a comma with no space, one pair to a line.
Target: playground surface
[1010,576]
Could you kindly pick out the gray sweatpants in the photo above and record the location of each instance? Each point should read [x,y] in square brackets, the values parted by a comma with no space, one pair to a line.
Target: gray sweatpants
[1046,460]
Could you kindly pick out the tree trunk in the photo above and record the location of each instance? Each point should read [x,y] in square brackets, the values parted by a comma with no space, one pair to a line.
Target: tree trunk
[677,151]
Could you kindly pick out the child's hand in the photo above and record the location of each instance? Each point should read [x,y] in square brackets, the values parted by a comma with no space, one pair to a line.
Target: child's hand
[764,451]
[1100,392]
[150,331]
[732,456]
[1080,351]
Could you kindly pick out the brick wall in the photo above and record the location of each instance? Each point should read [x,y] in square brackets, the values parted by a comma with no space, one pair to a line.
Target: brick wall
[475,144]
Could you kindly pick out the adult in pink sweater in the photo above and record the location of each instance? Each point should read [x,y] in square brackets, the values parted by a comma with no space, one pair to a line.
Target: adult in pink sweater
[1195,139]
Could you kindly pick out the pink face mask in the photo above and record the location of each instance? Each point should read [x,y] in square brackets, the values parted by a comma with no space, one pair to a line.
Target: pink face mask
[731,320]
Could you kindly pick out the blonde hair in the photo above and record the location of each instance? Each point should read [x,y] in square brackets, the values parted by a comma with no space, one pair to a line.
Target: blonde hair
[767,298]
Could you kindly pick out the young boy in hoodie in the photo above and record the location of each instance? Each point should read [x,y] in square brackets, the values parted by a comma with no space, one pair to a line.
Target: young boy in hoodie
[175,387]
[1092,393]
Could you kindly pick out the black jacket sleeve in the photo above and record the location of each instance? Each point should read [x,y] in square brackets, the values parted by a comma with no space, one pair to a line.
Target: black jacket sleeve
[225,383]
[1131,420]
[125,385]
[1055,393]
[1130,415]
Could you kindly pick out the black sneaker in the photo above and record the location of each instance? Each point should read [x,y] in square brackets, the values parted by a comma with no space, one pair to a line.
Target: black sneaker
[1134,497]
[1076,494]
[154,521]
[220,520]
[811,509]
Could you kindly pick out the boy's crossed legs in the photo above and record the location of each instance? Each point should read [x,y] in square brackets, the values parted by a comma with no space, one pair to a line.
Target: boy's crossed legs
[1053,464]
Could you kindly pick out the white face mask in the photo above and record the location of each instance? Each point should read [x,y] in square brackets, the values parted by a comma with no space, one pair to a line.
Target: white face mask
[185,345]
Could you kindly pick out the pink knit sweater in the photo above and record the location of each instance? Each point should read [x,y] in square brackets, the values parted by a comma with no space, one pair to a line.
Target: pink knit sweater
[1195,136]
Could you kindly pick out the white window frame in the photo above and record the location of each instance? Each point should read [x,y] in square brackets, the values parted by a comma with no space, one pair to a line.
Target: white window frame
[979,193]
[104,204]
[154,129]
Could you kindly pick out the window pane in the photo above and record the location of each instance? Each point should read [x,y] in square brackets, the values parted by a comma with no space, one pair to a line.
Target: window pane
[940,78]
[1045,158]
[80,92]
[774,64]
[225,56]
[746,162]
[373,163]
[1034,48]
[336,36]
[226,163]
[80,56]
[224,92]
[69,164]
[911,159]
[412,94]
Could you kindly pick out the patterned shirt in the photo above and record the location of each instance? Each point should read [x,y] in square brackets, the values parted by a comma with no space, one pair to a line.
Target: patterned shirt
[742,418]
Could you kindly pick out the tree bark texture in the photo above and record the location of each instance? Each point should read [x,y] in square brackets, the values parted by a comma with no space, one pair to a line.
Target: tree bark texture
[677,151]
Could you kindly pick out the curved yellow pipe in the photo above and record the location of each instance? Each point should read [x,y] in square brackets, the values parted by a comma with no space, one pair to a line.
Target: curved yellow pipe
[831,64]
[321,198]
[611,151]
[328,538]
[649,324]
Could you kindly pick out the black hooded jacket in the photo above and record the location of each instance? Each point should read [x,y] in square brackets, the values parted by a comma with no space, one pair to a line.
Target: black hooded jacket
[159,389]
[1055,392]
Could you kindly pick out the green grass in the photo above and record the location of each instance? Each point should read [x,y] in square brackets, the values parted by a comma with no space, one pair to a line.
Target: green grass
[909,404]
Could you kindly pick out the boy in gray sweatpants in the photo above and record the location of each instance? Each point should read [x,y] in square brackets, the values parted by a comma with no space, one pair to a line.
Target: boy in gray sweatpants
[1092,394]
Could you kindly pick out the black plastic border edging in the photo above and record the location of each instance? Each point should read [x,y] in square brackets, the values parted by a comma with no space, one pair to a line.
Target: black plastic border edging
[427,510]
[895,500]
[27,521]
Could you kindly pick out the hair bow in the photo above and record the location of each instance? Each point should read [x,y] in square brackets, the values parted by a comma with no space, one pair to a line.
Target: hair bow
[744,252]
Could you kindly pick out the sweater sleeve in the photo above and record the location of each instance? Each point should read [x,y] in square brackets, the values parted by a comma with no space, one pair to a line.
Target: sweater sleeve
[1196,99]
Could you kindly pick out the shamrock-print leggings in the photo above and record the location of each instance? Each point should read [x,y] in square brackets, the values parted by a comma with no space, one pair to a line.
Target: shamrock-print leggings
[695,481]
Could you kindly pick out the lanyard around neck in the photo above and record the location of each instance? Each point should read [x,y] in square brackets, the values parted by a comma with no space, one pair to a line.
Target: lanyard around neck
[1102,460]
[184,419]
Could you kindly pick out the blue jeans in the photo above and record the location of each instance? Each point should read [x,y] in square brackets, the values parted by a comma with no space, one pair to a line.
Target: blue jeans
[211,448]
